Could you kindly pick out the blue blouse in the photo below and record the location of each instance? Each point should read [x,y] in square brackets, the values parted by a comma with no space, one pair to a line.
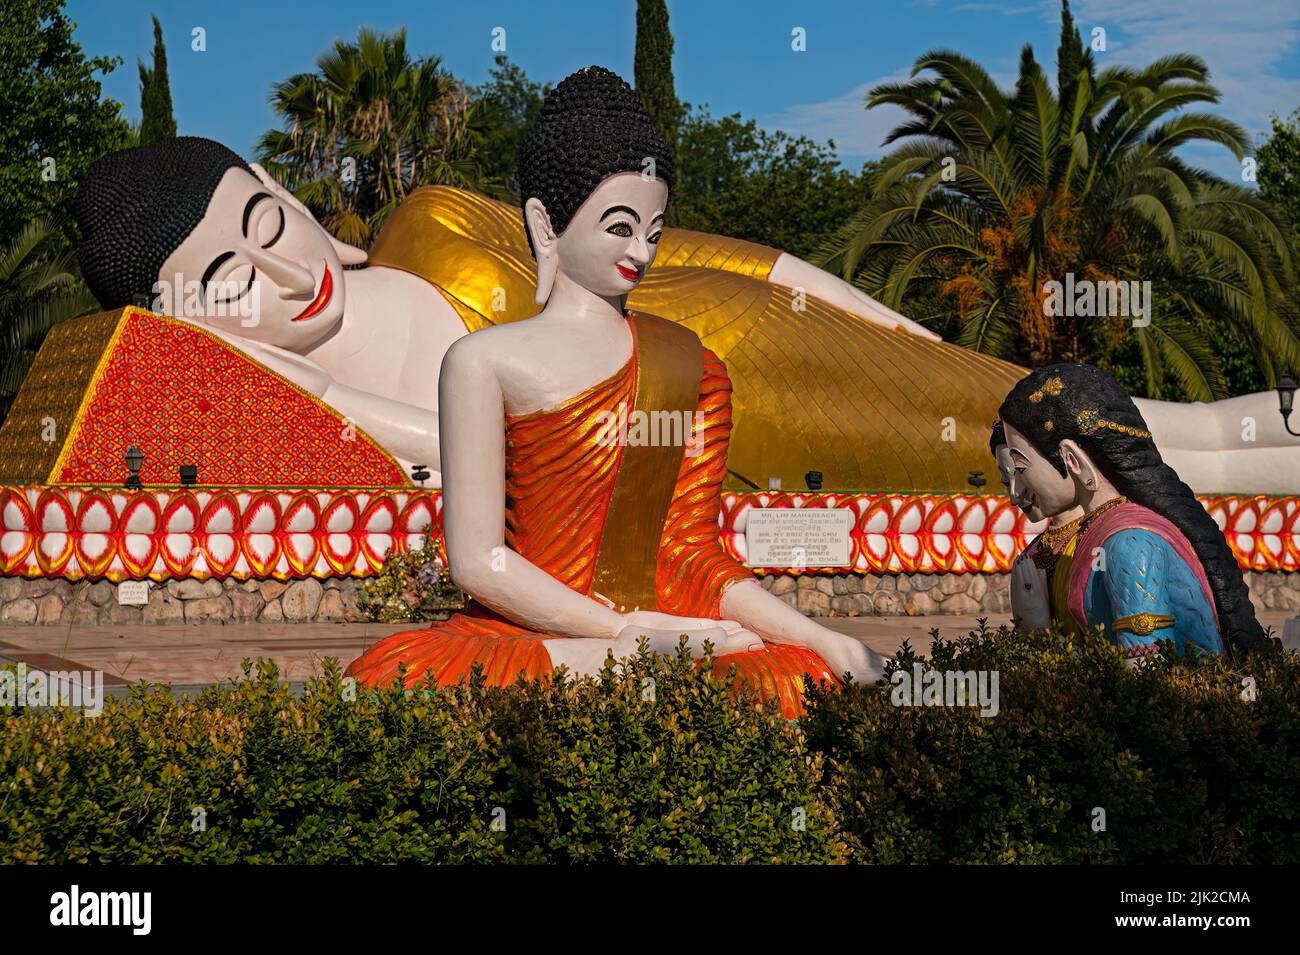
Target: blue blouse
[1140,590]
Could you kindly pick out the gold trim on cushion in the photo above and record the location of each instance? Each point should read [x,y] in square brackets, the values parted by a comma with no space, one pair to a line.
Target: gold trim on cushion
[670,363]
[57,387]
[1142,624]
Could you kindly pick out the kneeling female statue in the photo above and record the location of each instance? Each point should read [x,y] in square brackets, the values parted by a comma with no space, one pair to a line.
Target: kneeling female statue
[1130,553]
[576,535]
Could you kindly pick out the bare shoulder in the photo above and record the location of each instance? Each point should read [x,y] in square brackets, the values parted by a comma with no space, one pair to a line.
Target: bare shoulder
[479,352]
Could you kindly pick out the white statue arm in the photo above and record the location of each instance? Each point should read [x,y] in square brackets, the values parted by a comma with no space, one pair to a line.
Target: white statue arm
[793,272]
[776,621]
[472,424]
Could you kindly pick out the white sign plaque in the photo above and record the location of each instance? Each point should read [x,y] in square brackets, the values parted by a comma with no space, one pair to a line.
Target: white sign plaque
[797,537]
[133,593]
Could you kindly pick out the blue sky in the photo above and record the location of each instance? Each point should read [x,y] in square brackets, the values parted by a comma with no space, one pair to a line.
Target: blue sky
[734,57]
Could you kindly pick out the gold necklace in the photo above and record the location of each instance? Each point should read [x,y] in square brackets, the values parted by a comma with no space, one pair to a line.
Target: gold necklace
[1053,541]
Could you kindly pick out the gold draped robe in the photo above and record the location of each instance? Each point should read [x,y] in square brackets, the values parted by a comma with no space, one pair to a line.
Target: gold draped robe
[631,524]
[816,388]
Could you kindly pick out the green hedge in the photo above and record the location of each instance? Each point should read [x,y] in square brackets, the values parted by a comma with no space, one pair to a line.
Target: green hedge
[660,762]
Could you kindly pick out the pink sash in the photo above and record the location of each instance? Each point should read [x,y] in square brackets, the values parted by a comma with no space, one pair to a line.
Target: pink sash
[1129,516]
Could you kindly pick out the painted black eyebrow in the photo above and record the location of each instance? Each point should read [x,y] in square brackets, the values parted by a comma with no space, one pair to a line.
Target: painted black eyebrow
[658,218]
[248,209]
[216,264]
[612,209]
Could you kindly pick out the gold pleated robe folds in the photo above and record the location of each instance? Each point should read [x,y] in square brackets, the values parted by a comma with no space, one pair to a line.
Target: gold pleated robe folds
[816,388]
[630,523]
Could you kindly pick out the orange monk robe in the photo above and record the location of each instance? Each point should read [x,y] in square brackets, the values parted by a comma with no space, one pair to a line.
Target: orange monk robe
[630,524]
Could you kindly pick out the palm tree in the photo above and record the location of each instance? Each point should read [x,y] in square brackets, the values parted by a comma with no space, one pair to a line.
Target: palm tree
[997,193]
[39,288]
[367,128]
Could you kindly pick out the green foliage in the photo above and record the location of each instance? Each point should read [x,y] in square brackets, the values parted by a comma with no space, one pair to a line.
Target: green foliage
[1185,768]
[1279,167]
[994,193]
[39,287]
[50,108]
[413,585]
[652,67]
[738,180]
[511,102]
[371,125]
[660,761]
[594,770]
[156,119]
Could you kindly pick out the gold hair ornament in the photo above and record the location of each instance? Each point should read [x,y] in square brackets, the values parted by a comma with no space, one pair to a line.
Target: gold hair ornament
[1052,386]
[1090,422]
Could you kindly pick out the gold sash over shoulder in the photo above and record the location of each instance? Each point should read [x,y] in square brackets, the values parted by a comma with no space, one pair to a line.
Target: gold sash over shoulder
[815,388]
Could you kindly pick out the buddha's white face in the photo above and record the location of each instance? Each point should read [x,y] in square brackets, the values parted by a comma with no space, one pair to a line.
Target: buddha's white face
[1041,490]
[256,266]
[613,237]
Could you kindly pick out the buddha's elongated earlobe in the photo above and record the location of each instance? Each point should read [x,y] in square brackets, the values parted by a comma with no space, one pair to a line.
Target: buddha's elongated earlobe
[545,247]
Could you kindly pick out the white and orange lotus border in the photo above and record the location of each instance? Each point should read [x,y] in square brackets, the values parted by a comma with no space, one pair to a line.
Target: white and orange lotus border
[158,534]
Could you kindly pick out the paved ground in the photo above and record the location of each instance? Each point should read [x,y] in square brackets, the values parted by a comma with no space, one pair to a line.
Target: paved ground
[199,654]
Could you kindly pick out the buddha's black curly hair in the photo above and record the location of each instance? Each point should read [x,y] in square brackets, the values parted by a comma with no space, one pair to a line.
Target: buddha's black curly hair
[135,207]
[1087,405]
[592,126]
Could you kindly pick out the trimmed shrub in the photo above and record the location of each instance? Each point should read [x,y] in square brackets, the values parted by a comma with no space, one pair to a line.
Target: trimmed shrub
[1190,761]
[659,761]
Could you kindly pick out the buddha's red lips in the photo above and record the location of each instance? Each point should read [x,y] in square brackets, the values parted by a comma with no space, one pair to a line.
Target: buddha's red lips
[630,274]
[322,297]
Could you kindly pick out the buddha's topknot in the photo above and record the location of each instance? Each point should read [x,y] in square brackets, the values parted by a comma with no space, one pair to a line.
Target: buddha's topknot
[592,126]
[136,207]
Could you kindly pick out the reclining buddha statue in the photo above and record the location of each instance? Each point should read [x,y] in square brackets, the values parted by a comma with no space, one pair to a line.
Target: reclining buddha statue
[1130,552]
[825,377]
[830,379]
[576,539]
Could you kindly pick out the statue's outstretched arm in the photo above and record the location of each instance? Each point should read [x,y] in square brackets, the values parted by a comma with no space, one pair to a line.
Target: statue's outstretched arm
[794,273]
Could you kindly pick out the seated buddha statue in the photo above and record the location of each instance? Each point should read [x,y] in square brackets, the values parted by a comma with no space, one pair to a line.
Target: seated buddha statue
[1142,563]
[577,539]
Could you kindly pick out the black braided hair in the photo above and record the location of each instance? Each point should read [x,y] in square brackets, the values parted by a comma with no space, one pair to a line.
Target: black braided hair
[592,126]
[136,207]
[1087,405]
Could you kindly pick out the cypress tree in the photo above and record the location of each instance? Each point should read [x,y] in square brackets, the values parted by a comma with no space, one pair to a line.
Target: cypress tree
[1071,58]
[653,67]
[156,120]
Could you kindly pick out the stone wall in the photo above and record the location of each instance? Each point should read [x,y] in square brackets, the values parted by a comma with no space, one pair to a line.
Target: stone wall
[860,595]
[852,595]
[60,602]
